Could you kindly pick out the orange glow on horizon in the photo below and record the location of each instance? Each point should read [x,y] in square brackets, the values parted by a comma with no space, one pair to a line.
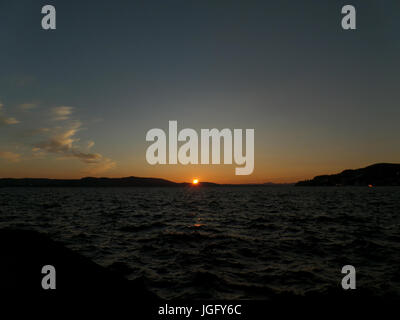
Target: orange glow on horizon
[274,173]
[195,181]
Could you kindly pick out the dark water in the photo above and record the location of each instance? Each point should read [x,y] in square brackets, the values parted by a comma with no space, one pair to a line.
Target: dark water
[226,242]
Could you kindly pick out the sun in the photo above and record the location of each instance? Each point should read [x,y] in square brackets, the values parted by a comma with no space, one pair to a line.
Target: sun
[195,181]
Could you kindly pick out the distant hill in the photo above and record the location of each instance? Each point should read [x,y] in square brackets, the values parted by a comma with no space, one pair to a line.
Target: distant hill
[117,182]
[380,174]
[94,182]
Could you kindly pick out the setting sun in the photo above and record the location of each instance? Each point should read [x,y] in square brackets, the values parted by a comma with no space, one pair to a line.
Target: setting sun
[195,181]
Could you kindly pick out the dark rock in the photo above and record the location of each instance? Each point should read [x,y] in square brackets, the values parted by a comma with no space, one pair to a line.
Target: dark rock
[24,253]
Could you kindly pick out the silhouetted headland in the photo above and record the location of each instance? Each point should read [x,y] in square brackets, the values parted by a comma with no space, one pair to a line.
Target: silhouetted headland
[380,174]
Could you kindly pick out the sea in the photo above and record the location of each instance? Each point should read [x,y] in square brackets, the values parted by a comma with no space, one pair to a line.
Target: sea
[238,242]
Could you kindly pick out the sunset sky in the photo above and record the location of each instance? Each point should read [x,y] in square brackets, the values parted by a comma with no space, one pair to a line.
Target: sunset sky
[77,101]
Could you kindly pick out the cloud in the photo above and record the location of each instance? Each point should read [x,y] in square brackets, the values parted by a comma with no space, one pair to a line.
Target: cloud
[87,157]
[40,130]
[90,144]
[62,141]
[38,154]
[27,106]
[61,113]
[10,156]
[6,120]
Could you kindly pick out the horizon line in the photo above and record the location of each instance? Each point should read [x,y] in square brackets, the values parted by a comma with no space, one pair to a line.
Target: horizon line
[158,178]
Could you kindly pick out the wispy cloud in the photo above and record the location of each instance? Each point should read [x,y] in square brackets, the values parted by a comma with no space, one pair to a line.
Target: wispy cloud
[10,156]
[90,144]
[40,130]
[38,154]
[6,120]
[61,113]
[27,106]
[62,141]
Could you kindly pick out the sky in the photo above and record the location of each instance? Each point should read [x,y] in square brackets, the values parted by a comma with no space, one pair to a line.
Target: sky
[78,101]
